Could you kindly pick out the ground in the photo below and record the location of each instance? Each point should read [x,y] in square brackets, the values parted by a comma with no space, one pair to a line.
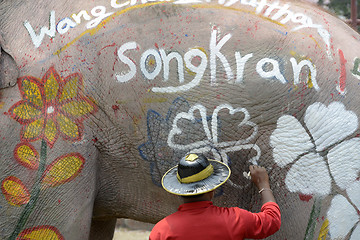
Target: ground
[127,229]
[126,234]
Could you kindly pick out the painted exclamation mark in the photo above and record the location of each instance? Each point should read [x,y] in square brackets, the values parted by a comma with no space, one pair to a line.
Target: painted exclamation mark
[342,80]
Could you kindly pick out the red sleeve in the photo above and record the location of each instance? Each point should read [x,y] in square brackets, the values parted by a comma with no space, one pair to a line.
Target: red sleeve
[257,225]
[158,231]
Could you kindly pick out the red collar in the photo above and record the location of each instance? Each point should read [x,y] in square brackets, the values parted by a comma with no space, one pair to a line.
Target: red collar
[194,205]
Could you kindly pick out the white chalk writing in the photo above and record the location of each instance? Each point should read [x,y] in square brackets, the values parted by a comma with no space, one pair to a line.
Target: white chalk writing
[51,31]
[64,25]
[273,11]
[162,60]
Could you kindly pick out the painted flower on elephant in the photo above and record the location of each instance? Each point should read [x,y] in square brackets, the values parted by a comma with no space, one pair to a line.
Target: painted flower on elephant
[344,214]
[209,139]
[156,150]
[27,155]
[15,191]
[190,125]
[41,232]
[51,106]
[227,130]
[62,170]
[320,151]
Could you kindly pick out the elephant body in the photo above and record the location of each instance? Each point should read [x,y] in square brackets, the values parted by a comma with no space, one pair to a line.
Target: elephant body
[99,100]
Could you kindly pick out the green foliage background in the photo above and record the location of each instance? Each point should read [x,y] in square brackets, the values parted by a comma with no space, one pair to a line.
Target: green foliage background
[341,8]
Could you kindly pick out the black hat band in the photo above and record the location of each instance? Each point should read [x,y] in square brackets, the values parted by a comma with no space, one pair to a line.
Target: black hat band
[205,173]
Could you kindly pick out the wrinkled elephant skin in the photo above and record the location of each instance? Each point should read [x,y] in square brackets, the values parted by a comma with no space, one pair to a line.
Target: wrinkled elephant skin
[109,95]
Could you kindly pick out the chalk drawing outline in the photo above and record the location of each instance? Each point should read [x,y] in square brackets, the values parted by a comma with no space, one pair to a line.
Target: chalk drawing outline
[218,149]
[156,146]
[158,129]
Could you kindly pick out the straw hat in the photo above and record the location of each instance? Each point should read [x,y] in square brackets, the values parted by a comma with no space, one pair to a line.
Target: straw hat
[194,175]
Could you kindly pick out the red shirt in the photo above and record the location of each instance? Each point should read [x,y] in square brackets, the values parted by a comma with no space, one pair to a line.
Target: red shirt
[203,220]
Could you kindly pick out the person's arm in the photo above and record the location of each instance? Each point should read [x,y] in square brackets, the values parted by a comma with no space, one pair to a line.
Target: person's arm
[268,221]
[157,231]
[260,178]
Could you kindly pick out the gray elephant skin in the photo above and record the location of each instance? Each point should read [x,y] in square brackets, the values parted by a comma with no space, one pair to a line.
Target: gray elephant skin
[99,99]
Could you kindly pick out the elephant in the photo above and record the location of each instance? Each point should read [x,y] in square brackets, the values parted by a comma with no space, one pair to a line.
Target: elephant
[99,100]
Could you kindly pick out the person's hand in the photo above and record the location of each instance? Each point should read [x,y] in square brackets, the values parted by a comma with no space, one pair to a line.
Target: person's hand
[259,177]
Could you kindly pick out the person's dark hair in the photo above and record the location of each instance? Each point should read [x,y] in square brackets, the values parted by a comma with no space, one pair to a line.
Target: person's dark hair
[193,197]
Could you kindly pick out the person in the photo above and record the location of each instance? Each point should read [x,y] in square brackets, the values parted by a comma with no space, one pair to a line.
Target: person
[195,178]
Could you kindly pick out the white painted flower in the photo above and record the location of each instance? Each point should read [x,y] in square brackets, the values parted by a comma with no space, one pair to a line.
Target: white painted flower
[305,148]
[344,162]
[344,216]
[211,140]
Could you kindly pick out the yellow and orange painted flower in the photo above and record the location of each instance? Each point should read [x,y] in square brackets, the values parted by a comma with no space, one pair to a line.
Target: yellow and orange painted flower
[51,107]
[26,155]
[15,191]
[40,232]
[63,169]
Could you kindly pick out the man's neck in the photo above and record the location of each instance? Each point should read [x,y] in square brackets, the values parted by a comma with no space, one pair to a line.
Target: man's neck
[203,197]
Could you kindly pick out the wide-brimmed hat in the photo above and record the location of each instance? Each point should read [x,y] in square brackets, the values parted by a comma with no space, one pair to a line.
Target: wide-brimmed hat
[194,175]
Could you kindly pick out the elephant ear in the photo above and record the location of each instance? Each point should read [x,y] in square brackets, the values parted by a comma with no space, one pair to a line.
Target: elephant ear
[9,71]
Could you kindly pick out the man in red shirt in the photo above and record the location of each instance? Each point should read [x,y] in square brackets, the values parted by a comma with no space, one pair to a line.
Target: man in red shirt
[195,178]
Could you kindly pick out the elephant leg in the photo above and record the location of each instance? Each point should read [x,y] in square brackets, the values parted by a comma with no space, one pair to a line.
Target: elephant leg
[102,229]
